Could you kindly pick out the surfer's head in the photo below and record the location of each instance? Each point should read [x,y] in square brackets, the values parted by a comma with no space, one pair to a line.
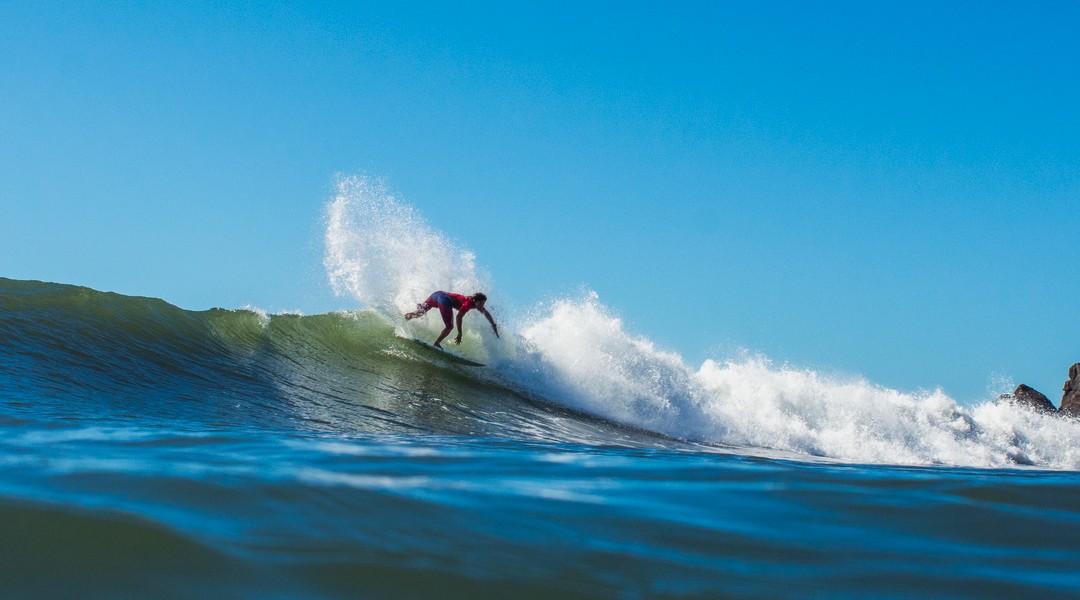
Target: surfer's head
[480,298]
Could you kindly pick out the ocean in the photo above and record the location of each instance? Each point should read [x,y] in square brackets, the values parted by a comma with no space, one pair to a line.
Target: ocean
[148,451]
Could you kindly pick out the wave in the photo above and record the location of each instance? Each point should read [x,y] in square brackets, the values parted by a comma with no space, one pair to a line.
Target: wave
[74,353]
[137,558]
[572,374]
[565,370]
[575,352]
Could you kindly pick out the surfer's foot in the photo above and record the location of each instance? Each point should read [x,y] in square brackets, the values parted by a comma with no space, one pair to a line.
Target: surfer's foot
[438,345]
[419,312]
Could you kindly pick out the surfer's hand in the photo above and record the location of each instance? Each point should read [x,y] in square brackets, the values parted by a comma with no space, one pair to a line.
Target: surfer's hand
[496,329]
[457,340]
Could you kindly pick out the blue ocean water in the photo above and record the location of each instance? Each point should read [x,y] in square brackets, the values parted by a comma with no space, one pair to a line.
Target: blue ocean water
[148,451]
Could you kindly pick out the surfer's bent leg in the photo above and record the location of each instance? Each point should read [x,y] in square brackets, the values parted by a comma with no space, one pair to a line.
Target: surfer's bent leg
[446,309]
[422,308]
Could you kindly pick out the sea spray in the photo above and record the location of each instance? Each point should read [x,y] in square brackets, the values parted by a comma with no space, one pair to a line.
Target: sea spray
[382,252]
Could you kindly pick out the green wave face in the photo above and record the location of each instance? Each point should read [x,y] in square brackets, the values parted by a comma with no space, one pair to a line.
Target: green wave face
[74,352]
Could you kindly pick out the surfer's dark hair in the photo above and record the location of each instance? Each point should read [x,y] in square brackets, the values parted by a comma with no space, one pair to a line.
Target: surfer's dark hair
[480,296]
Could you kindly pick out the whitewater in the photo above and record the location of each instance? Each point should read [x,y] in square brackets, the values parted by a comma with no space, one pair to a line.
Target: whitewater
[151,451]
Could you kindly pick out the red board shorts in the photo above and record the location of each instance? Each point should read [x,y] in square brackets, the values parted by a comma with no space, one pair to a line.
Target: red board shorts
[444,303]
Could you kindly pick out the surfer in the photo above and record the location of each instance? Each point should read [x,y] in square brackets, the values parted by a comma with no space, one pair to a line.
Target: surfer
[446,302]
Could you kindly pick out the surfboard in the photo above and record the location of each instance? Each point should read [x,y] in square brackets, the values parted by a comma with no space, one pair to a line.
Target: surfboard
[448,355]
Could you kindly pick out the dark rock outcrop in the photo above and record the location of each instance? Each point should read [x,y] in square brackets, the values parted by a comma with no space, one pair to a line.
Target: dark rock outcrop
[1031,397]
[1070,400]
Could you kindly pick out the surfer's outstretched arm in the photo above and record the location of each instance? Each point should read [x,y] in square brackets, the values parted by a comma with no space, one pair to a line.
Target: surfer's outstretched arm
[457,340]
[491,320]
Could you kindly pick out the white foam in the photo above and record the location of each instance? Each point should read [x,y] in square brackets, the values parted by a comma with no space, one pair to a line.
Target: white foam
[584,357]
[580,353]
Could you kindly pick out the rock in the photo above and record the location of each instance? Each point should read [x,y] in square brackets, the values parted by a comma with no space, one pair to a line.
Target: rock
[1031,397]
[1070,400]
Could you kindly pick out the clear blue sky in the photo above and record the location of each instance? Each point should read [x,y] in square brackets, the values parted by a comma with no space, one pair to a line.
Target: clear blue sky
[889,189]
